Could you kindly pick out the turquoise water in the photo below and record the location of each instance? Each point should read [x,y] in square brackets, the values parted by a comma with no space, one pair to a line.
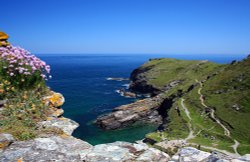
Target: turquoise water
[82,81]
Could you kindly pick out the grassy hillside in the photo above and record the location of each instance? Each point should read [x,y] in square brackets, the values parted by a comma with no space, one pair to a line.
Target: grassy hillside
[161,72]
[224,90]
[229,94]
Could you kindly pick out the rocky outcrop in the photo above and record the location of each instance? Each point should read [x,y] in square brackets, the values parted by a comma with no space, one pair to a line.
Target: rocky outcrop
[54,148]
[145,110]
[139,82]
[49,146]
[125,93]
[70,149]
[3,39]
[190,154]
[124,151]
[65,124]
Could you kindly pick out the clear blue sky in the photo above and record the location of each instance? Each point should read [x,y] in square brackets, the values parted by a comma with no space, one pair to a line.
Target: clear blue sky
[128,26]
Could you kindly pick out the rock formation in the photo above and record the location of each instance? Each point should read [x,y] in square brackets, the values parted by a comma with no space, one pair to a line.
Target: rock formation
[3,39]
[145,110]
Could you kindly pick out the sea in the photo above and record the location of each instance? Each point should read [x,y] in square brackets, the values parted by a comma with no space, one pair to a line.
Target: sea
[82,79]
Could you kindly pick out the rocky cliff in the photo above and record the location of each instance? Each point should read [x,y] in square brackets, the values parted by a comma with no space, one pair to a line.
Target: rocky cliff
[64,147]
[33,129]
[187,104]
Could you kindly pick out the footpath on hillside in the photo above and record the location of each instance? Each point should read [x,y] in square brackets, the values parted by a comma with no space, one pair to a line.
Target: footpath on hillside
[212,114]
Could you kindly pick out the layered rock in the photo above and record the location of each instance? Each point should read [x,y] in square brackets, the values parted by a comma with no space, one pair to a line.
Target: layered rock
[146,110]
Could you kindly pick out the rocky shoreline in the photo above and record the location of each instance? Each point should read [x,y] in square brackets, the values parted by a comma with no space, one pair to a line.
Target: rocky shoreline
[145,110]
[65,147]
[62,146]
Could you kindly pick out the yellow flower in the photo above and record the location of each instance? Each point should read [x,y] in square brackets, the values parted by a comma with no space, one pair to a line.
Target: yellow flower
[25,96]
[33,106]
[6,82]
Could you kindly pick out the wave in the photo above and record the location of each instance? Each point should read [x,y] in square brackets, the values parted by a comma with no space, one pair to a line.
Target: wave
[117,79]
[126,86]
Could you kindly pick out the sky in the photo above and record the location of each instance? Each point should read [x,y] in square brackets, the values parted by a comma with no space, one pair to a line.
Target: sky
[128,26]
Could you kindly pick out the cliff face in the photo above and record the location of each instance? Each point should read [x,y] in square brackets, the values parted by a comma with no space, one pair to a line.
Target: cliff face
[198,101]
[139,82]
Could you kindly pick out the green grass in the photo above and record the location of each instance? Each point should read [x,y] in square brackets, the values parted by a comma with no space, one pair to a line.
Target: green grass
[244,149]
[163,71]
[21,112]
[232,80]
[177,126]
[220,142]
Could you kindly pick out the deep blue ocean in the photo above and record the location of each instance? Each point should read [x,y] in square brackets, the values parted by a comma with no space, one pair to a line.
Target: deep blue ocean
[82,81]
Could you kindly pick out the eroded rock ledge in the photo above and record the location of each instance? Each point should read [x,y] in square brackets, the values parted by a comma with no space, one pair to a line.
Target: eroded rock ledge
[146,110]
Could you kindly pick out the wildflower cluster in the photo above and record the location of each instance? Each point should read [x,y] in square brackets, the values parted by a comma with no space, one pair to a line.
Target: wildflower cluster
[21,113]
[21,67]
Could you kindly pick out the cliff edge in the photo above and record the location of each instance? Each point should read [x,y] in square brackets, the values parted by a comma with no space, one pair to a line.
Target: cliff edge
[33,129]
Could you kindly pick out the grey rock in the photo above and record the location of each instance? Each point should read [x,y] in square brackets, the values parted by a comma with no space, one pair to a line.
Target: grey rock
[46,149]
[124,151]
[65,124]
[145,110]
[190,154]
[153,154]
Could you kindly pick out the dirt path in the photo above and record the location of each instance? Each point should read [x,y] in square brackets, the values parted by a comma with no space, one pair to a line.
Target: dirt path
[191,135]
[185,109]
[226,131]
[191,132]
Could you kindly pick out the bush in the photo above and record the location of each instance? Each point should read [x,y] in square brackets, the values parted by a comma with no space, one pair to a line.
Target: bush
[22,85]
[22,69]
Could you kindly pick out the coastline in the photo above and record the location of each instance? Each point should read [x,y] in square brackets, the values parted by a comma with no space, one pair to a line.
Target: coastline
[48,135]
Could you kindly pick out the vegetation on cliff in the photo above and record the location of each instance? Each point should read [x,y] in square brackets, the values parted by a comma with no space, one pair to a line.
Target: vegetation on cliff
[216,97]
[22,91]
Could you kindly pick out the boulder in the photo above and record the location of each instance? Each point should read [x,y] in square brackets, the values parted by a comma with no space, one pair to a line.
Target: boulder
[124,151]
[46,149]
[190,154]
[65,124]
